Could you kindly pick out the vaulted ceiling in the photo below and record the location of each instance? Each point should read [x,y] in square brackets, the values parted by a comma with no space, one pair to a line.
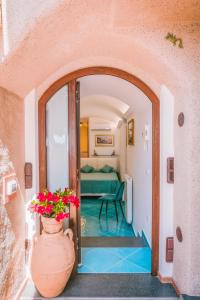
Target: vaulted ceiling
[46,40]
[111,98]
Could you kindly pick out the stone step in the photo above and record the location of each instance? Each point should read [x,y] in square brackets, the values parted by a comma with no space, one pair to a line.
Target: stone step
[109,286]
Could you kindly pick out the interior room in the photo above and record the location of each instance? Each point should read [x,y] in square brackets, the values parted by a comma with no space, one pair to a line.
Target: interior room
[115,176]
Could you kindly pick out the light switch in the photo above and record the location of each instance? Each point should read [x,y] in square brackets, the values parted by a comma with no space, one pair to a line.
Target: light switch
[28,175]
[169,249]
[11,187]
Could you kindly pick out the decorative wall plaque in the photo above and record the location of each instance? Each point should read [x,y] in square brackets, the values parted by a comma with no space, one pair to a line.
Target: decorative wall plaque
[181,119]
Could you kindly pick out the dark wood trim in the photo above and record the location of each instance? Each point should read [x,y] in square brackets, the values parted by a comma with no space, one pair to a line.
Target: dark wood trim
[72,133]
[169,280]
[78,213]
[42,145]
[72,156]
[155,139]
[175,287]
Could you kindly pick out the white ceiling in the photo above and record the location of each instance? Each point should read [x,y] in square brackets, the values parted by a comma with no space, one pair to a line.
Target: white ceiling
[111,98]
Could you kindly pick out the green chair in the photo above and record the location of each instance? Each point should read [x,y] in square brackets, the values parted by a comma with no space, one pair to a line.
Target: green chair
[117,197]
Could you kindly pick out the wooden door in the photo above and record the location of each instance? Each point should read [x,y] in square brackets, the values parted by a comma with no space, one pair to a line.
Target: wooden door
[78,170]
[74,160]
[59,128]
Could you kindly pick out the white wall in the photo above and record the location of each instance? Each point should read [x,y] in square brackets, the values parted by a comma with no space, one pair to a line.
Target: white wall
[31,140]
[166,189]
[139,166]
[31,155]
[102,150]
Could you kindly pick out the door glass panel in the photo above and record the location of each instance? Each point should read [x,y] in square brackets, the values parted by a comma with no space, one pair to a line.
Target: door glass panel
[57,140]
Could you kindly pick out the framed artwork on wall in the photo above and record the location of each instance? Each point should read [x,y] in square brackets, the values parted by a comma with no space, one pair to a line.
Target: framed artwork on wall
[130,132]
[103,140]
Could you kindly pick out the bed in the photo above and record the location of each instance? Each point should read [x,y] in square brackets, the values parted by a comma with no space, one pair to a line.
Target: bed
[98,184]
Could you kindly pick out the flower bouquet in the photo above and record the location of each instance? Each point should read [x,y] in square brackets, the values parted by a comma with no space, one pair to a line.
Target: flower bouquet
[54,205]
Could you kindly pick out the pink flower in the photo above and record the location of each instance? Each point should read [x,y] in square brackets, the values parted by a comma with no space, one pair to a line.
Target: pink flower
[40,210]
[62,216]
[74,200]
[41,197]
[48,209]
[49,196]
[66,199]
[54,198]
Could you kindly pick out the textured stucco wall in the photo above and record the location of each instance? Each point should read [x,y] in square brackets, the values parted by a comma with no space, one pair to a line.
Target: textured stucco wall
[12,221]
[187,190]
[17,21]
[129,35]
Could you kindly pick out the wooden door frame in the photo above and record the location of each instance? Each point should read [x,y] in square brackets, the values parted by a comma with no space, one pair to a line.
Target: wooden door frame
[100,70]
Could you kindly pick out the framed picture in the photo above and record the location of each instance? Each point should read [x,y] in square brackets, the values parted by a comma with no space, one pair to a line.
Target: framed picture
[102,140]
[130,132]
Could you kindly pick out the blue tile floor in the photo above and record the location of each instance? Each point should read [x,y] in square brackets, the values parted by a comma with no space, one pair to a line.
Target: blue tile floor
[106,226]
[110,260]
[115,260]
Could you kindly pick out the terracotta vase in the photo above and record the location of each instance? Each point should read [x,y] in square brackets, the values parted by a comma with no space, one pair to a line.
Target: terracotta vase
[52,258]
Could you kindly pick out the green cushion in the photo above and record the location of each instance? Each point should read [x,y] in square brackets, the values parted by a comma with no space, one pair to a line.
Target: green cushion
[87,169]
[107,169]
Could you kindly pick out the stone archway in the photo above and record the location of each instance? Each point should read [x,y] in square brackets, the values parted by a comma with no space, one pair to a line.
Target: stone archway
[101,70]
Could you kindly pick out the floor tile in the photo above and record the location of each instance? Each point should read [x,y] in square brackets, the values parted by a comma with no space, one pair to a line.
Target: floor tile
[99,259]
[125,252]
[124,266]
[84,269]
[142,258]
[107,225]
[114,260]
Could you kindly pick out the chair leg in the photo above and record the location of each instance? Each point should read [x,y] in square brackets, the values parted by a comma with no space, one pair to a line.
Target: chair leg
[101,208]
[106,208]
[121,208]
[116,210]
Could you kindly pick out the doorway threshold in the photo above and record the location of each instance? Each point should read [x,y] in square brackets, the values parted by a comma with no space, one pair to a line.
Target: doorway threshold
[109,286]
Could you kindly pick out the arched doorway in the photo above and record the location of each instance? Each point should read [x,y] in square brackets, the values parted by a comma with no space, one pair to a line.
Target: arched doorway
[70,79]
